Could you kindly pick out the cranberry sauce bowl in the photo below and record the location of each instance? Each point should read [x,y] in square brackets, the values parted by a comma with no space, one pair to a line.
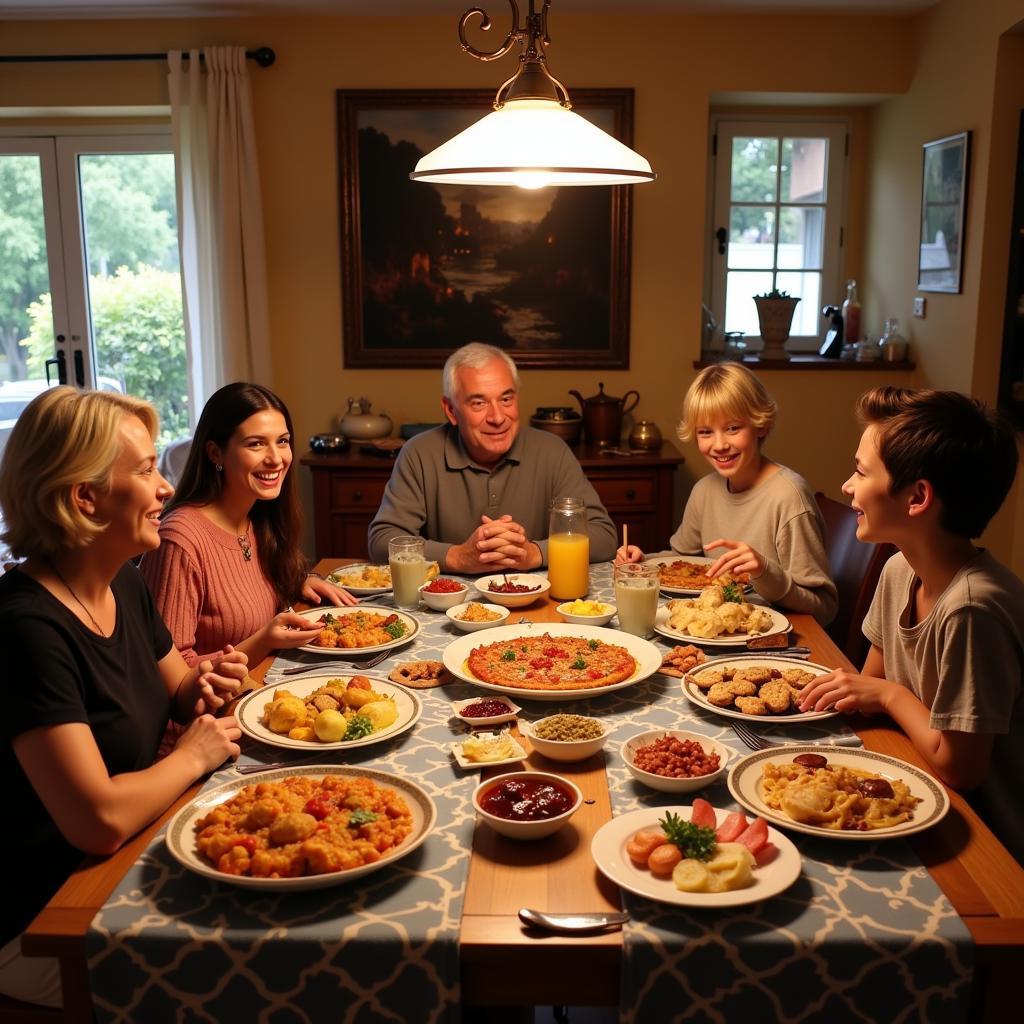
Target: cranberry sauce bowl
[527,805]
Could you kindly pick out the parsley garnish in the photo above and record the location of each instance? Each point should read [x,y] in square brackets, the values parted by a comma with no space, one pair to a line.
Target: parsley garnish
[593,644]
[733,593]
[509,655]
[579,662]
[695,841]
[358,727]
[360,817]
[328,618]
[395,629]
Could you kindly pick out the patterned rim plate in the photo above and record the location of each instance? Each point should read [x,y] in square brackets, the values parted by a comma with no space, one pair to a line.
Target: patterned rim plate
[648,657]
[412,627]
[250,711]
[338,576]
[181,840]
[780,624]
[695,695]
[608,848]
[745,786]
[699,560]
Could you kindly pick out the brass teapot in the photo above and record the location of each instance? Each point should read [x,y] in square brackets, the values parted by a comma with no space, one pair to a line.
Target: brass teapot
[602,415]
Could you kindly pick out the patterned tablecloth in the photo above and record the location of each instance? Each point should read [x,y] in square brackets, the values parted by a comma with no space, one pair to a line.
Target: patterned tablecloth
[864,934]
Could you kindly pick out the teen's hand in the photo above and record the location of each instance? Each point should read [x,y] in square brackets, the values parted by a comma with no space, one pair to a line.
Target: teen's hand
[848,692]
[740,557]
[628,553]
[317,590]
[210,742]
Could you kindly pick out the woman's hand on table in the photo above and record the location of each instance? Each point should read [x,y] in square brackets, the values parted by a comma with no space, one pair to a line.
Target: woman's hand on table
[210,742]
[317,590]
[740,558]
[628,553]
[289,629]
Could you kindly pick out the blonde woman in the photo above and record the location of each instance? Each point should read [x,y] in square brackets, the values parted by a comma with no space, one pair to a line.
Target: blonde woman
[91,670]
[756,515]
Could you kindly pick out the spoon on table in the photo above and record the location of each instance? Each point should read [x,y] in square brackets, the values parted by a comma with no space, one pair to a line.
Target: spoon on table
[572,923]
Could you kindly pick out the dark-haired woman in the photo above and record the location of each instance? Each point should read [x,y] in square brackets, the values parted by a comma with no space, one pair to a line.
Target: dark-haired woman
[229,562]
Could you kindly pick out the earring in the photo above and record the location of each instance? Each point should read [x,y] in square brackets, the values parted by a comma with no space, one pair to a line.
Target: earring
[219,468]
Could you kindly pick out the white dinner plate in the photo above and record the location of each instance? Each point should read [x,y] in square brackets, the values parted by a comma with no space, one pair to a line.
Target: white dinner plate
[648,657]
[780,624]
[250,711]
[695,695]
[360,590]
[412,627]
[181,835]
[466,763]
[699,560]
[745,786]
[608,849]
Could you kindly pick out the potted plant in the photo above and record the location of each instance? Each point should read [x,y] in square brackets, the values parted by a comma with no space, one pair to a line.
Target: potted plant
[775,311]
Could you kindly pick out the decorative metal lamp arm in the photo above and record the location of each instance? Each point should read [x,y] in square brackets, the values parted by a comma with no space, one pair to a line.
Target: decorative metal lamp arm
[532,80]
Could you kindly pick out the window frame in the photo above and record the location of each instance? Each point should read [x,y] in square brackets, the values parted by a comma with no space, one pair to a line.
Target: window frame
[726,126]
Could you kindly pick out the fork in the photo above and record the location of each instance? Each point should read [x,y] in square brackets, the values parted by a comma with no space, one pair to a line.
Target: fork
[752,739]
[355,662]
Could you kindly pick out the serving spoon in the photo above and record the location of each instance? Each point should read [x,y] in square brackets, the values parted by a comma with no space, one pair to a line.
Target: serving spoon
[572,924]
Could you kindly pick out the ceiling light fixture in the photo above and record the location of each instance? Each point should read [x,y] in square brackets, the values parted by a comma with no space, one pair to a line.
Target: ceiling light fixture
[532,139]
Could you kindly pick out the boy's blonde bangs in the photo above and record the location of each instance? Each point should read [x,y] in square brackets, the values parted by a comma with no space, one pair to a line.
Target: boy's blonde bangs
[726,391]
[76,436]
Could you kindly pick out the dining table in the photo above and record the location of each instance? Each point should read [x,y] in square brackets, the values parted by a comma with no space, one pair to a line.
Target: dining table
[942,911]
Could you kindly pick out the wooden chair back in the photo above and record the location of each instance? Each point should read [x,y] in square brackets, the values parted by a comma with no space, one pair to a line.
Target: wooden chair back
[855,568]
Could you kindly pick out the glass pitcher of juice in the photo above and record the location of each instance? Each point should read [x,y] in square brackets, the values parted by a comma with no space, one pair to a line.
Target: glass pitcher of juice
[568,549]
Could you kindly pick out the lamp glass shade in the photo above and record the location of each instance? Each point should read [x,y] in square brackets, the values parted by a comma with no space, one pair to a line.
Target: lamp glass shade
[531,144]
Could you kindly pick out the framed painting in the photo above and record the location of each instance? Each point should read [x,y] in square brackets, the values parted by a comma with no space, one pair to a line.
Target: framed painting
[426,268]
[943,213]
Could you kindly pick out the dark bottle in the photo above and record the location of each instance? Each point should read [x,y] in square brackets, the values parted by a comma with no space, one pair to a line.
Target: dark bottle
[832,346]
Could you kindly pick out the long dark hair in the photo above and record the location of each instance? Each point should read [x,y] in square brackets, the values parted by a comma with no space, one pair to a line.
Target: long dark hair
[277,523]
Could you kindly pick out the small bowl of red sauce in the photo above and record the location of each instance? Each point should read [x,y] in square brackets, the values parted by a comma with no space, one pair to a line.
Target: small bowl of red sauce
[443,593]
[478,711]
[514,589]
[527,805]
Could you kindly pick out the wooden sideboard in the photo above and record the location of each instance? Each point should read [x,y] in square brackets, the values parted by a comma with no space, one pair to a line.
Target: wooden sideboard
[636,489]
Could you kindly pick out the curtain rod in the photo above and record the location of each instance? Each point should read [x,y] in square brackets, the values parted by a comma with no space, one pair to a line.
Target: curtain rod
[264,56]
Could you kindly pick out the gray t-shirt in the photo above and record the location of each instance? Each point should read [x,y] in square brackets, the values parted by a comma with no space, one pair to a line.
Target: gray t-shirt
[965,662]
[437,491]
[778,518]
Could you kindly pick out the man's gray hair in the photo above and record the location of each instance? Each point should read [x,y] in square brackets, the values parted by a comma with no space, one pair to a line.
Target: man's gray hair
[474,355]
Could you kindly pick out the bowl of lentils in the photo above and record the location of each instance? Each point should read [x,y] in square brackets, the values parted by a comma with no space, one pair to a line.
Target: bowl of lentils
[674,761]
[566,737]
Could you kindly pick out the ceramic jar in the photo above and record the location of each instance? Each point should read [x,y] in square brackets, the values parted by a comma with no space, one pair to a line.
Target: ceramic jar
[362,424]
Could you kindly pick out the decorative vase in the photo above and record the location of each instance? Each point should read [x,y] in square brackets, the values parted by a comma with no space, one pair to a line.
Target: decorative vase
[775,317]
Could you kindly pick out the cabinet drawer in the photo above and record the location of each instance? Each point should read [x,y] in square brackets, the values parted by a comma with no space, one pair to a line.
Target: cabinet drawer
[356,492]
[626,491]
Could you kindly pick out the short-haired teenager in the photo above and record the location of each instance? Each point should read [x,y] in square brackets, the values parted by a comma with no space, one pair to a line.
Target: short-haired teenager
[947,622]
[763,514]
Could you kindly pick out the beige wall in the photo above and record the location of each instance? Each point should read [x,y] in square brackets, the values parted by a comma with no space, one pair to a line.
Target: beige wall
[676,66]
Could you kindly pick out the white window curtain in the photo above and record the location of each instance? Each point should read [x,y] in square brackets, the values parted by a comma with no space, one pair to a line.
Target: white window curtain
[223,259]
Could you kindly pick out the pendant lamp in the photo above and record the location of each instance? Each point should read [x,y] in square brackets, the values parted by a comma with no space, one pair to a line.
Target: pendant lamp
[532,138]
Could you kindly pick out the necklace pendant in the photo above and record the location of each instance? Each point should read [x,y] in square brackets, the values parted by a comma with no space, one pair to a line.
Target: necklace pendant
[243,543]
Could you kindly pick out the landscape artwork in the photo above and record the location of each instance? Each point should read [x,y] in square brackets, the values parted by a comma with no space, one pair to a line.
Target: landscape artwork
[426,268]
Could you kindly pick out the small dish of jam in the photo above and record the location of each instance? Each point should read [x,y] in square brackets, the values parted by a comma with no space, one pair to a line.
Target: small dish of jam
[527,805]
[479,711]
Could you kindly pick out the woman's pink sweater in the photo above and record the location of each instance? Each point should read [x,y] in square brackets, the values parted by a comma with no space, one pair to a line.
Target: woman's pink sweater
[206,591]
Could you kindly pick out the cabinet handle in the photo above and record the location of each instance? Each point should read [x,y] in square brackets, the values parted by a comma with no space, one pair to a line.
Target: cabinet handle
[631,494]
[357,495]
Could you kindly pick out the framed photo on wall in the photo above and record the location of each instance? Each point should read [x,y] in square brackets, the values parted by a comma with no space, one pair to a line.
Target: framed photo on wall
[943,210]
[426,268]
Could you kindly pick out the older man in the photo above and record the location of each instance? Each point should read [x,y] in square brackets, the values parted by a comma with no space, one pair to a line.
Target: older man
[479,488]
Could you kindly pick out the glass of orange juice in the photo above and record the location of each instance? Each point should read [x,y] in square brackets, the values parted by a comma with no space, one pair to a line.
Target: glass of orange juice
[568,549]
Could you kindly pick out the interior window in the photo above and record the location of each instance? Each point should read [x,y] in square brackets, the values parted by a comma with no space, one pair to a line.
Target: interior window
[777,214]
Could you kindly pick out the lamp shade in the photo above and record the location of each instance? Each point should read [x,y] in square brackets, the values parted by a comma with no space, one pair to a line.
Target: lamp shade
[533,143]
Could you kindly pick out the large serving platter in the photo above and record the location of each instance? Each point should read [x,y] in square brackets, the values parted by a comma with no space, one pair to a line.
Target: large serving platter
[412,627]
[779,624]
[608,849]
[695,695]
[745,786]
[181,835]
[250,712]
[660,560]
[343,573]
[648,657]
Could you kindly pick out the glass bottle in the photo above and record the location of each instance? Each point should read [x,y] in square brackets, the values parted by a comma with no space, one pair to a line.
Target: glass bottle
[851,313]
[568,549]
[892,344]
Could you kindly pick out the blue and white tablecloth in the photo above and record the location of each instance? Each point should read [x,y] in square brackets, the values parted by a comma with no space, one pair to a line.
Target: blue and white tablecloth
[865,934]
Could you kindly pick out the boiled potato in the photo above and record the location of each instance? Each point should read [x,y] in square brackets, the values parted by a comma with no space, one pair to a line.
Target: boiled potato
[302,732]
[381,713]
[330,726]
[731,867]
[690,875]
[286,714]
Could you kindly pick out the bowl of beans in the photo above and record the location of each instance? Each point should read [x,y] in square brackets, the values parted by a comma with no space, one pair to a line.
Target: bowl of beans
[513,589]
[527,805]
[566,737]
[674,761]
[478,711]
[443,593]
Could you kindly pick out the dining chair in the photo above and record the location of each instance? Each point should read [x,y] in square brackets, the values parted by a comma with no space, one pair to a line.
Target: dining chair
[855,568]
[13,1011]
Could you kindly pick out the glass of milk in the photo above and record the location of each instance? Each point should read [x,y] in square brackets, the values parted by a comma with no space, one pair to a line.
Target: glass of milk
[636,597]
[408,570]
